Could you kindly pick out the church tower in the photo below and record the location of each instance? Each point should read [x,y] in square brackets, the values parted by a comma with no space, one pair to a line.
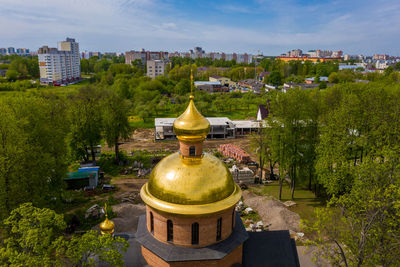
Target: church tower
[190,204]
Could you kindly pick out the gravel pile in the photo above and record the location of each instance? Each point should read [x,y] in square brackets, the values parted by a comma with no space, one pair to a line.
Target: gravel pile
[127,216]
[274,214]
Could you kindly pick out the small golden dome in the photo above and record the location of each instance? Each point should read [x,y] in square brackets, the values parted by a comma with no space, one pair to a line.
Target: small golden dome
[206,181]
[107,227]
[191,126]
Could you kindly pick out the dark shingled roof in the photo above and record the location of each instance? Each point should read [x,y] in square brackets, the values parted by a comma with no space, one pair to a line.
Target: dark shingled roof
[261,249]
[270,249]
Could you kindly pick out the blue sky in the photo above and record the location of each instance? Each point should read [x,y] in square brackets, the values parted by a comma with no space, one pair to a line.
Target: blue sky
[273,27]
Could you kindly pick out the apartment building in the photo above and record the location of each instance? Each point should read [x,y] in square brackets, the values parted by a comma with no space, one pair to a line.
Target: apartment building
[62,65]
[380,57]
[295,53]
[10,51]
[144,56]
[155,68]
[13,51]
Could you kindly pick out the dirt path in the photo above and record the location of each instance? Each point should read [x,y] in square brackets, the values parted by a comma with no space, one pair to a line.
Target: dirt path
[272,212]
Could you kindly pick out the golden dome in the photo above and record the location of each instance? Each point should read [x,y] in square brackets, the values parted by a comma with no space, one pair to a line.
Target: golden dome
[191,126]
[107,227]
[201,186]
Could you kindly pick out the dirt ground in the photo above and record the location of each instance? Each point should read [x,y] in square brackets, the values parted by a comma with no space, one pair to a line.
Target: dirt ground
[127,216]
[131,207]
[272,212]
[143,139]
[128,185]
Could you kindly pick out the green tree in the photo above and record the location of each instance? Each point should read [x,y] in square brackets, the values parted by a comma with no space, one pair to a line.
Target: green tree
[362,228]
[182,87]
[137,63]
[333,77]
[322,85]
[294,122]
[32,151]
[85,65]
[122,88]
[266,143]
[115,121]
[101,65]
[11,75]
[388,70]
[275,78]
[120,68]
[86,122]
[34,237]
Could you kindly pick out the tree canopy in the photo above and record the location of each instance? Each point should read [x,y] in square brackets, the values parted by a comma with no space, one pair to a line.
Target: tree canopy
[34,237]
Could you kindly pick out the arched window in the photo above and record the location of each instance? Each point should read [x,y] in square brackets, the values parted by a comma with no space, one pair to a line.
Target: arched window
[170,231]
[151,223]
[192,151]
[219,227]
[195,233]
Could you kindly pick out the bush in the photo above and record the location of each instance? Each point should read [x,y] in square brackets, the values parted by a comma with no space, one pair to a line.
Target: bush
[16,86]
[107,162]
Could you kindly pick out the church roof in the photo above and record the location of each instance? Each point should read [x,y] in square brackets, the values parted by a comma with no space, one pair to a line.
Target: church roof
[264,112]
[191,125]
[191,186]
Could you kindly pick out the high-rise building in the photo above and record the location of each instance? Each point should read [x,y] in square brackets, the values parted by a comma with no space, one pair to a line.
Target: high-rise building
[10,51]
[22,51]
[13,51]
[155,68]
[295,53]
[60,65]
[94,54]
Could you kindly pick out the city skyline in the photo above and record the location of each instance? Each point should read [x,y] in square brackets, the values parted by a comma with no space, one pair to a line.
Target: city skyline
[359,27]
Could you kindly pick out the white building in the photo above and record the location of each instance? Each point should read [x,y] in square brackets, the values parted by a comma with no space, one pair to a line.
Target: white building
[155,68]
[383,64]
[220,128]
[60,65]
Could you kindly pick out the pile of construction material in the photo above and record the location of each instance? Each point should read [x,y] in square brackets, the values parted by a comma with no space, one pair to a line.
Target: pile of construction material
[242,175]
[232,151]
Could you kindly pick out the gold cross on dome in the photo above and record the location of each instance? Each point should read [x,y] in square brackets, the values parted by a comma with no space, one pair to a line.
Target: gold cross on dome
[191,81]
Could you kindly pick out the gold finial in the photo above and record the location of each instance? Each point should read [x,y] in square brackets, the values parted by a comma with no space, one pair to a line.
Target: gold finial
[105,208]
[191,83]
[107,226]
[191,126]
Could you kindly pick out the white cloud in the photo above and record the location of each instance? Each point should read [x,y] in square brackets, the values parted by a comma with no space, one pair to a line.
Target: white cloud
[120,25]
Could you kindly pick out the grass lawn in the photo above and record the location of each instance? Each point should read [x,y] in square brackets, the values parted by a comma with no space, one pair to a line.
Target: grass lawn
[306,200]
